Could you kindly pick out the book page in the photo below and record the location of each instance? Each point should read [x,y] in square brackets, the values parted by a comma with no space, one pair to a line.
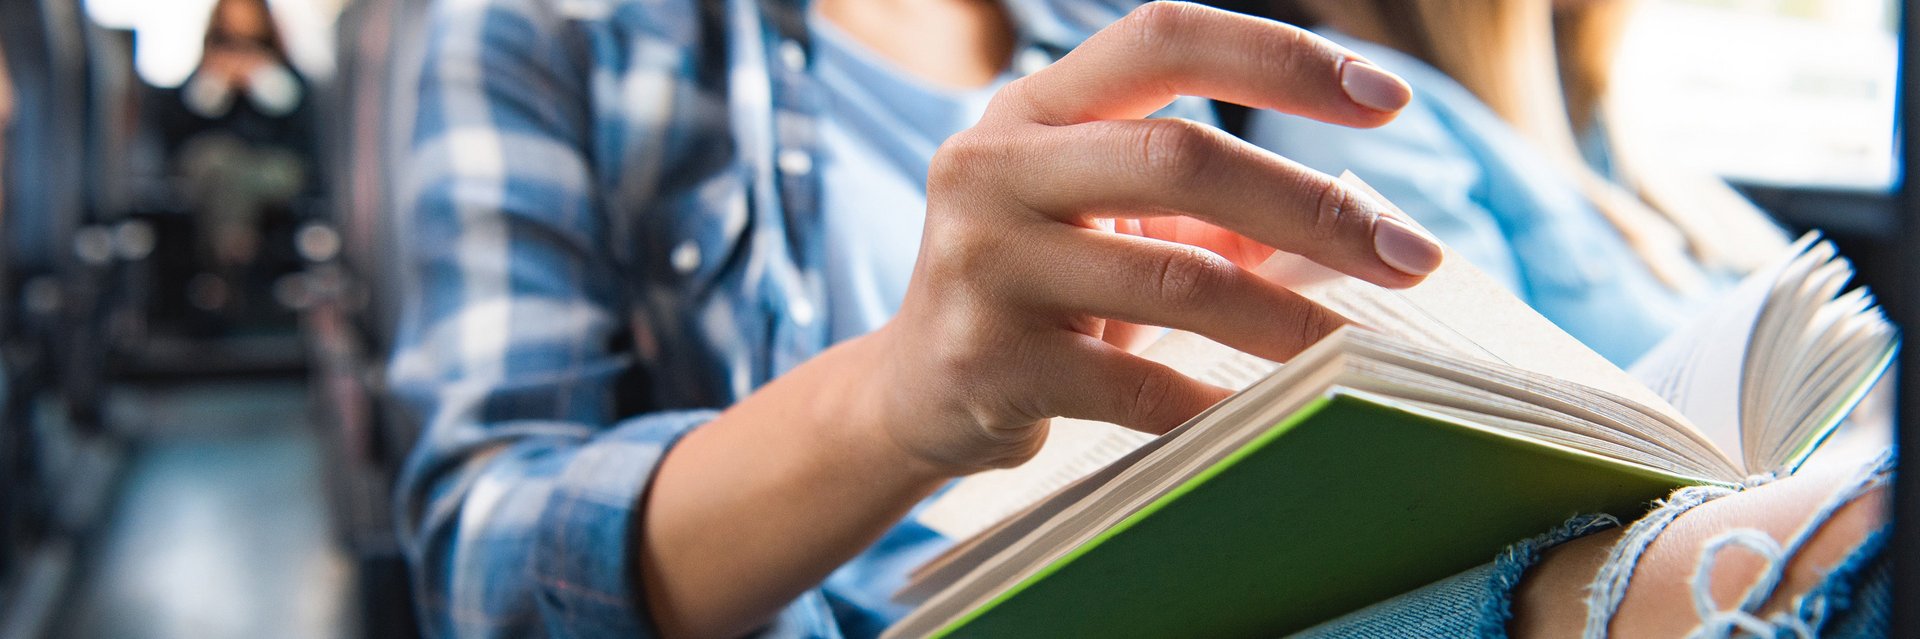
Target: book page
[1699,367]
[1460,309]
[1074,448]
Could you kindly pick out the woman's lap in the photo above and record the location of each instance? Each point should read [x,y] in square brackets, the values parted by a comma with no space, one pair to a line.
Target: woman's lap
[1852,598]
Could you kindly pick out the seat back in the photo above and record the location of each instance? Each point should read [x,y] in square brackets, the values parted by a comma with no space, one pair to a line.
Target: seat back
[382,49]
[369,108]
[113,121]
[48,140]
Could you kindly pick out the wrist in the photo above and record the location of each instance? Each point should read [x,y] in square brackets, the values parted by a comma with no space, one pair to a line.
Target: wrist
[873,410]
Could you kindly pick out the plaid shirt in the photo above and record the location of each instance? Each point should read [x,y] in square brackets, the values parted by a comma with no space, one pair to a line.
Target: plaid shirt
[614,234]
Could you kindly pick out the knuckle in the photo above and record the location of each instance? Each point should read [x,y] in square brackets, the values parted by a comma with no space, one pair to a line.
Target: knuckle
[1293,53]
[965,353]
[1000,414]
[1017,98]
[1176,149]
[1187,276]
[1311,324]
[1153,396]
[1012,447]
[1018,102]
[1319,324]
[1334,209]
[1156,25]
[956,160]
[950,256]
[985,257]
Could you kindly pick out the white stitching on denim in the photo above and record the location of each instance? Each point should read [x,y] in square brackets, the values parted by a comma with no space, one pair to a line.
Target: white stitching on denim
[1716,623]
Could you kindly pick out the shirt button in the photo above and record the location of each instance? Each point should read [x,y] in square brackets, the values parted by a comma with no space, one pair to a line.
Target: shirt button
[793,55]
[801,311]
[795,162]
[686,257]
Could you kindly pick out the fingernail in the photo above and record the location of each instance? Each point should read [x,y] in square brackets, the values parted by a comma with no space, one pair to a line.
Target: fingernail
[1373,87]
[1404,248]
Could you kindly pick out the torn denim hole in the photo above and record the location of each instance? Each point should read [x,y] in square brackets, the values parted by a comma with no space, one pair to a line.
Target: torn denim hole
[1511,565]
[1610,583]
[1715,622]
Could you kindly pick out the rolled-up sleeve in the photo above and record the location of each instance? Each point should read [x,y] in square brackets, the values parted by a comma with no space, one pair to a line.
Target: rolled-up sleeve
[517,501]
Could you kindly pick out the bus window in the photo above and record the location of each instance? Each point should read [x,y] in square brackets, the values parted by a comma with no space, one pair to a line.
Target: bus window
[1774,92]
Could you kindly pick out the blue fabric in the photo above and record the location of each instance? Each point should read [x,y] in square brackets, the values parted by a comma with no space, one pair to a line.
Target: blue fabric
[879,128]
[1856,597]
[1475,603]
[617,229]
[1851,598]
[1455,166]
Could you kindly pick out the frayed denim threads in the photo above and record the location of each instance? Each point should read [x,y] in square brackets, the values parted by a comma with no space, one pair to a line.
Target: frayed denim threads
[1610,584]
[1511,567]
[1852,601]
[1809,611]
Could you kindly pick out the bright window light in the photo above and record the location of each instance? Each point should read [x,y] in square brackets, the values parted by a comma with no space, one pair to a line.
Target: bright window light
[169,33]
[1788,92]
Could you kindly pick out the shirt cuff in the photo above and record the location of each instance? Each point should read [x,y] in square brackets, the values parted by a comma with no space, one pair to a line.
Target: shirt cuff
[586,587]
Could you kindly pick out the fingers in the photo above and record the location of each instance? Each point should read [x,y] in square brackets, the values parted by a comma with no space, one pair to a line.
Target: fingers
[1167,49]
[1159,166]
[1093,156]
[1096,381]
[1146,281]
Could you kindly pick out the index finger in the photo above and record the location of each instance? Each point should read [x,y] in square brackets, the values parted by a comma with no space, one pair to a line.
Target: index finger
[1163,50]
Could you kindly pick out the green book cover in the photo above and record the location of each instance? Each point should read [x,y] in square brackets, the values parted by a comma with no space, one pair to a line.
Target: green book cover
[1343,504]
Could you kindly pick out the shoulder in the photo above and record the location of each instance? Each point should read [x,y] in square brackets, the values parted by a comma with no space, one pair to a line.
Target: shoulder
[559,55]
[557,21]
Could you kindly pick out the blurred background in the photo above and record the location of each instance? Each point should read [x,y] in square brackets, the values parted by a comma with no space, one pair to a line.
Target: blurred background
[196,289]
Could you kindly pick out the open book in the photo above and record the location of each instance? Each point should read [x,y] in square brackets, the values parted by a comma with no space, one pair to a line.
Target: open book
[1450,421]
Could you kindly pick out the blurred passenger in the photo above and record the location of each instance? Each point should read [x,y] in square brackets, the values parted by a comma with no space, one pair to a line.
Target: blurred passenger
[10,447]
[1523,178]
[238,138]
[703,314]
[6,123]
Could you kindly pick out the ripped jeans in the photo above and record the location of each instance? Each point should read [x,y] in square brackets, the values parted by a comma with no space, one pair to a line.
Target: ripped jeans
[1853,600]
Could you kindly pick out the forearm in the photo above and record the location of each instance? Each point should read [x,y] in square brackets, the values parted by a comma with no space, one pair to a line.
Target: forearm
[761,504]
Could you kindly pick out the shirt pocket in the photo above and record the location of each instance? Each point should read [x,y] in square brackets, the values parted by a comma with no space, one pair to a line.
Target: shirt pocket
[690,233]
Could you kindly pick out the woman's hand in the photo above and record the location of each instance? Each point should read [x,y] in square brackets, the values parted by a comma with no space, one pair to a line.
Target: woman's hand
[1018,286]
[1022,283]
